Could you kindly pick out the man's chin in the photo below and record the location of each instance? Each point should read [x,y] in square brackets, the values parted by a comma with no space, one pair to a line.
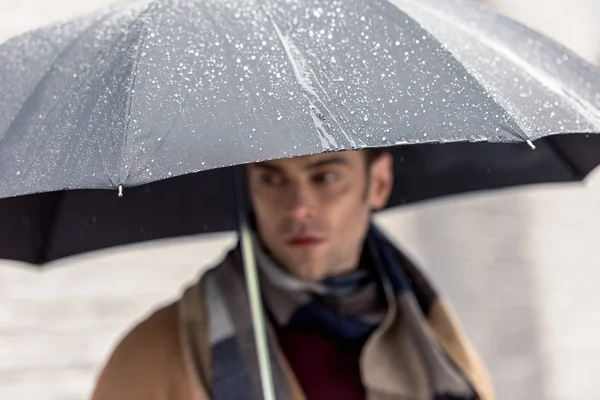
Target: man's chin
[309,274]
[306,269]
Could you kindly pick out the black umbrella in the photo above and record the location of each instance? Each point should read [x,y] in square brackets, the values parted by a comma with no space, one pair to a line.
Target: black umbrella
[140,98]
[39,228]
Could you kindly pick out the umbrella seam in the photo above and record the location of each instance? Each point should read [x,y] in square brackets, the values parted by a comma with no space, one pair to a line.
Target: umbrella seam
[306,89]
[135,68]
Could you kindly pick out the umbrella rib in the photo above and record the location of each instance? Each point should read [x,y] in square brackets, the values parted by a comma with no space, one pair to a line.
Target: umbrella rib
[128,106]
[89,30]
[578,103]
[133,82]
[306,87]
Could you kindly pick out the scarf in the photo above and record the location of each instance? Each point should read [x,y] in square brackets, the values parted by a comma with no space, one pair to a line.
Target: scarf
[413,350]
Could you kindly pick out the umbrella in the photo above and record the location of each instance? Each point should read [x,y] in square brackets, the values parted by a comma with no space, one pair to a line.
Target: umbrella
[151,90]
[154,100]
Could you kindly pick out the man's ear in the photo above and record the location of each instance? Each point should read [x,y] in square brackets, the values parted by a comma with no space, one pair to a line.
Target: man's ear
[381,181]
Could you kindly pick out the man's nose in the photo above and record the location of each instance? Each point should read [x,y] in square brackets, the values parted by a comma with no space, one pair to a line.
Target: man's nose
[301,202]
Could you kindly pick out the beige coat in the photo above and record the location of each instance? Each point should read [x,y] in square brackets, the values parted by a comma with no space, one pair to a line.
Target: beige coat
[155,361]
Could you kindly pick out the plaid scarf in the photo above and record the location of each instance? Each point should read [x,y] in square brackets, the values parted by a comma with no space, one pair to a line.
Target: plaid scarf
[386,301]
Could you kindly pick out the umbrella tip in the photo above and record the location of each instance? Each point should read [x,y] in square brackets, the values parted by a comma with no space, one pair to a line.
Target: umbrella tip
[120,190]
[530,143]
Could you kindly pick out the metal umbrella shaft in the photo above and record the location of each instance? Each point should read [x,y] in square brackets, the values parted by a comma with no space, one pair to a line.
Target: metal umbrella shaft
[253,285]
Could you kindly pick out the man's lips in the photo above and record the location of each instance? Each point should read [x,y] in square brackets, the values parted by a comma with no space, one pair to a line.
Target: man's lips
[303,240]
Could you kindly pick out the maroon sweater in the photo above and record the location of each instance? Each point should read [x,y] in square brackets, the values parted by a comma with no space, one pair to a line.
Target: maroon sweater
[325,368]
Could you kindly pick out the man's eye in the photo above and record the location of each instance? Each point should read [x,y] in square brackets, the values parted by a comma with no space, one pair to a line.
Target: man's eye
[271,180]
[325,177]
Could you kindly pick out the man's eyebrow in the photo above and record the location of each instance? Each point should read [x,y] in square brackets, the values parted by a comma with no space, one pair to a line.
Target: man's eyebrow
[268,166]
[317,164]
[329,161]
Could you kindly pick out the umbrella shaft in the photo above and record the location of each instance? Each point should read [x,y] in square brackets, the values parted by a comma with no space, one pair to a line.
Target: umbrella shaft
[256,309]
[253,285]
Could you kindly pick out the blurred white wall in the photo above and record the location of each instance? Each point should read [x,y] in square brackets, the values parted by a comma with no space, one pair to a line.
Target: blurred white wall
[521,266]
[575,23]
[565,261]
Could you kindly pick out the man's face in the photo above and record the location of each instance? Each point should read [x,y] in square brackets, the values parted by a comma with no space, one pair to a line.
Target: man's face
[313,212]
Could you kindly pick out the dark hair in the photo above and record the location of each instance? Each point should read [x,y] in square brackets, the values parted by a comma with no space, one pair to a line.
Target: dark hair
[373,154]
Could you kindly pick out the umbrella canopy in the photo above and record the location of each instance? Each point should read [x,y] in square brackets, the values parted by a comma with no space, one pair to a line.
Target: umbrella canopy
[151,90]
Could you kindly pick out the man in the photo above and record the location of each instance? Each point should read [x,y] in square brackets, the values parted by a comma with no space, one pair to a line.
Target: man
[349,316]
